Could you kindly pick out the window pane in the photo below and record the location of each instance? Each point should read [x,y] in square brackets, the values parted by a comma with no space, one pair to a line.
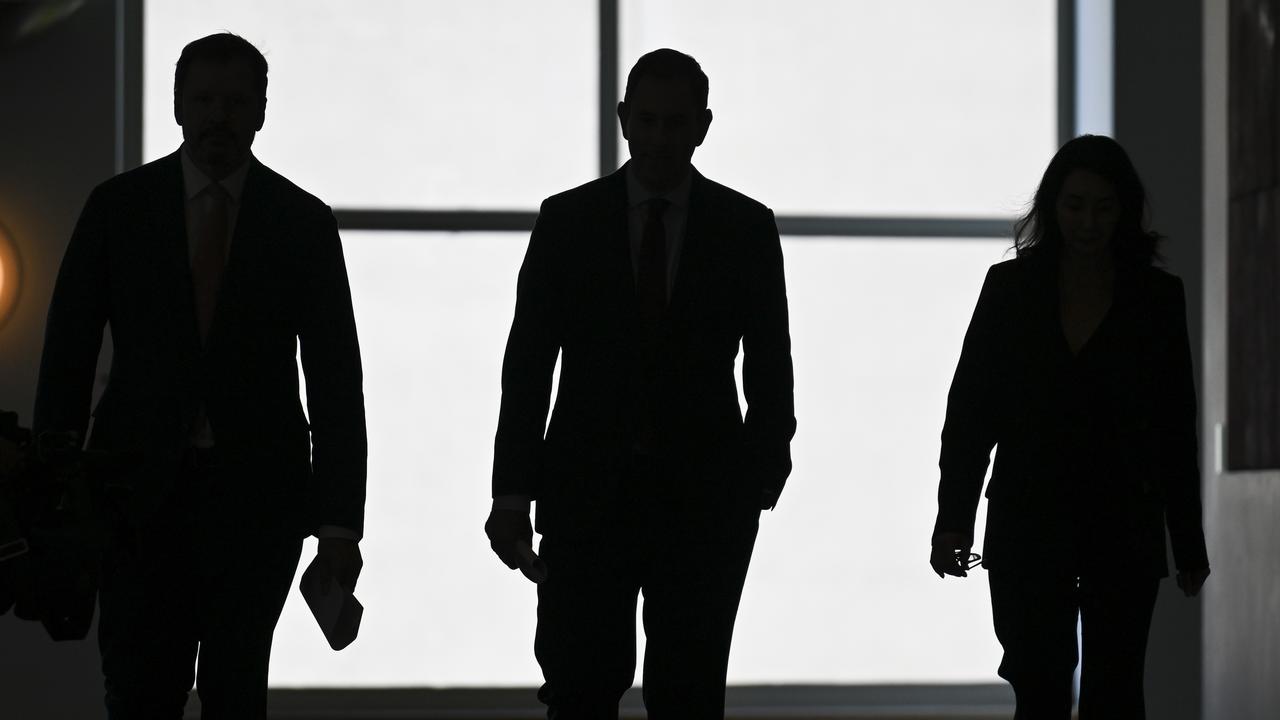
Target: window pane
[433,310]
[487,103]
[840,590]
[932,107]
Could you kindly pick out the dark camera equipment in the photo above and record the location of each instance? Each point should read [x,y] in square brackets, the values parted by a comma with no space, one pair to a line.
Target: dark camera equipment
[51,528]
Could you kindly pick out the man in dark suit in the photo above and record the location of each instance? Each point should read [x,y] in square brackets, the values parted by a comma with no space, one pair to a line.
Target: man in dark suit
[647,479]
[211,270]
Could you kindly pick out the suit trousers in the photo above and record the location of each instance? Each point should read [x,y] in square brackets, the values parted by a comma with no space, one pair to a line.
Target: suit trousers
[199,580]
[689,559]
[1035,622]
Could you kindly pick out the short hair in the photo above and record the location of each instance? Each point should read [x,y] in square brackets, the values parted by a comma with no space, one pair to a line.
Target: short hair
[667,64]
[221,47]
[1037,234]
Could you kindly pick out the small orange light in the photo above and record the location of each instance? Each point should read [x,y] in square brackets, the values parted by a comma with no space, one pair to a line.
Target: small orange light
[10,275]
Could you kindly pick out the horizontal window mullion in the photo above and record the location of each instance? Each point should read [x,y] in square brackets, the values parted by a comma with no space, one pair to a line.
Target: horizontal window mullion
[437,220]
[790,225]
[880,227]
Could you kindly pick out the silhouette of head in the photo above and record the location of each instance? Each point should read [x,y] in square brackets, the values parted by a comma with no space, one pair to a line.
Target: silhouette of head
[664,116]
[1090,201]
[220,100]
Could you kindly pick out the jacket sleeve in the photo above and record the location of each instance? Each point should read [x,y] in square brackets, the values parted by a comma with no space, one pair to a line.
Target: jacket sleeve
[335,396]
[767,375]
[970,429]
[1175,421]
[528,365]
[78,313]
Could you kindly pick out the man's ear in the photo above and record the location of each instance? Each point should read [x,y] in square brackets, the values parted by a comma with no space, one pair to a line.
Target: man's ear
[623,113]
[177,108]
[704,124]
[262,115]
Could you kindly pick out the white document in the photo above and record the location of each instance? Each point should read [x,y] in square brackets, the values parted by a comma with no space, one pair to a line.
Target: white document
[336,610]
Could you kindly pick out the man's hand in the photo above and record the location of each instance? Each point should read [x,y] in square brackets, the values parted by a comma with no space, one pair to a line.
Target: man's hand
[511,537]
[768,499]
[341,559]
[943,557]
[1191,581]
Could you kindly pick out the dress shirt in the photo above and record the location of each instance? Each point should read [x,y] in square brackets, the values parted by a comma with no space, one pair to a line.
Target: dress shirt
[673,221]
[194,183]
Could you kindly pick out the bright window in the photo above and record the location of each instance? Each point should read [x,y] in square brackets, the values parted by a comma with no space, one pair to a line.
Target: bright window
[388,104]
[930,109]
[833,107]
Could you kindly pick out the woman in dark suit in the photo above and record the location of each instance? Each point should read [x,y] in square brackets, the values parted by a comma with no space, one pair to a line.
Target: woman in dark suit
[1077,368]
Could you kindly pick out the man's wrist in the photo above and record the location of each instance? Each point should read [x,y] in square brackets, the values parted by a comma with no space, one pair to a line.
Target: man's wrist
[516,503]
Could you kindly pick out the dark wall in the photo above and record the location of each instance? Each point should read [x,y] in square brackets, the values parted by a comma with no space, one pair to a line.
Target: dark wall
[1158,108]
[57,134]
[1242,510]
[1253,255]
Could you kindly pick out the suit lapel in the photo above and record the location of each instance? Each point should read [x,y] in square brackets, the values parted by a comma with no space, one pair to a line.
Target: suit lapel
[692,249]
[246,247]
[171,231]
[615,220]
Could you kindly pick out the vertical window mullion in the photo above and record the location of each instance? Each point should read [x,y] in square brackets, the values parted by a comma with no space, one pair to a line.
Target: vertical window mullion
[609,94]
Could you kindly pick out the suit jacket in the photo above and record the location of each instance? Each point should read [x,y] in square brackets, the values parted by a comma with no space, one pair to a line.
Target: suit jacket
[576,296]
[284,285]
[1094,451]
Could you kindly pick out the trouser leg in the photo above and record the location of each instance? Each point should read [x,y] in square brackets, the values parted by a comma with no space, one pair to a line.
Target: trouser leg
[245,583]
[147,627]
[692,587]
[1035,622]
[585,641]
[1115,617]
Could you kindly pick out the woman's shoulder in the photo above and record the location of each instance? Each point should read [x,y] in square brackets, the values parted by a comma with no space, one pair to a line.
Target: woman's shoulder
[1158,282]
[1021,269]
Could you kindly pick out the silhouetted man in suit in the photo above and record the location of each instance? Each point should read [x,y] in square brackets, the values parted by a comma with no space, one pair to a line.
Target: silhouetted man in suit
[647,479]
[211,271]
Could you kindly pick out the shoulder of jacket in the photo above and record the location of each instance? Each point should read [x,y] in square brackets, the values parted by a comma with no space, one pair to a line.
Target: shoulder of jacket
[284,190]
[142,180]
[1161,280]
[588,193]
[718,194]
[1012,270]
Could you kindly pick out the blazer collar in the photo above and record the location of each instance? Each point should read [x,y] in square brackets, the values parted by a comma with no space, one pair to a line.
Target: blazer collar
[194,181]
[249,185]
[692,252]
[637,193]
[698,226]
[166,224]
[248,241]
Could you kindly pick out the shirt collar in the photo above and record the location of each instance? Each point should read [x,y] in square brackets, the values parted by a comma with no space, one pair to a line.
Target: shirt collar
[678,196]
[194,181]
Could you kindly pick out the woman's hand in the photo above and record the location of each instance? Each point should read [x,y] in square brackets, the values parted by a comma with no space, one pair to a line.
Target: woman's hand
[1192,580]
[948,549]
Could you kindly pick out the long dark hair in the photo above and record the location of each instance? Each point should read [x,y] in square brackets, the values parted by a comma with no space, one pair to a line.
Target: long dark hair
[1036,234]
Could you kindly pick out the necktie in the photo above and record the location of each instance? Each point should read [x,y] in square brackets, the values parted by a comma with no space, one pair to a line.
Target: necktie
[210,256]
[651,271]
[651,294]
